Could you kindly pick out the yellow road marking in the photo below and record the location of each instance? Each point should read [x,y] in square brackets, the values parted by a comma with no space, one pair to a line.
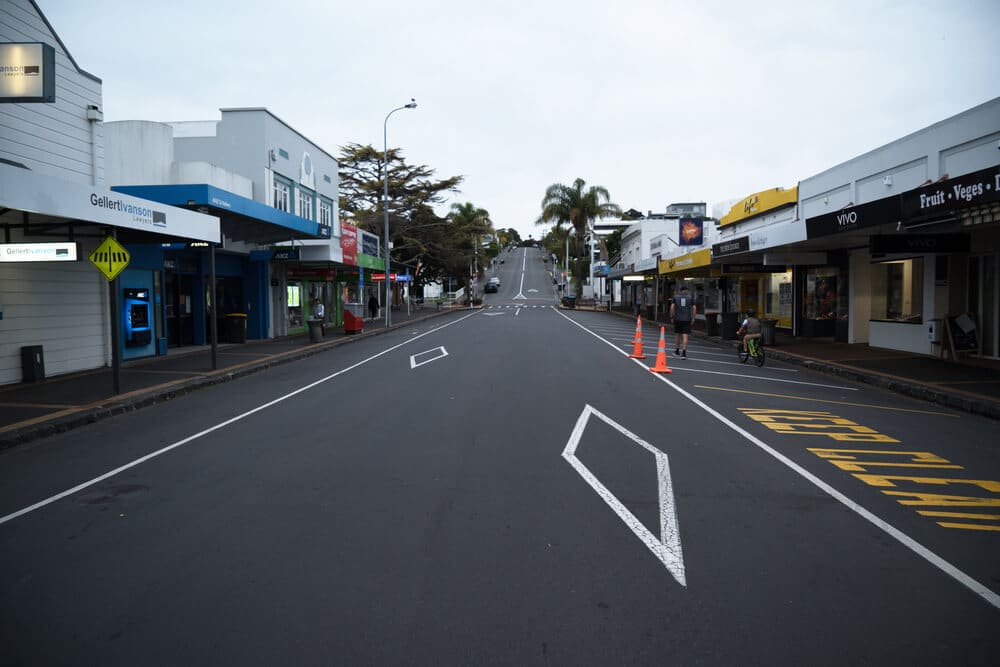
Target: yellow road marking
[967,526]
[823,400]
[961,515]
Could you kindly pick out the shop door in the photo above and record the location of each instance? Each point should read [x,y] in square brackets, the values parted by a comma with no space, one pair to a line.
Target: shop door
[983,294]
[179,318]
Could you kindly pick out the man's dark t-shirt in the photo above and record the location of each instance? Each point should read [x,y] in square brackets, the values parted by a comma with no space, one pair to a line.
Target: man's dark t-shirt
[682,307]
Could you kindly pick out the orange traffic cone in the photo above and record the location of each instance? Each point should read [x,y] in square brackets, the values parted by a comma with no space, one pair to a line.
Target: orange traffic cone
[661,356]
[638,329]
[637,350]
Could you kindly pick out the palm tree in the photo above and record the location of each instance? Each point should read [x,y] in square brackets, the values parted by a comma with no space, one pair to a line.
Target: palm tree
[578,206]
[470,222]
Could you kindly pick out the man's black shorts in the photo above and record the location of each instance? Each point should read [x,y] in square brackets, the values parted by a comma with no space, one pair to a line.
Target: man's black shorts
[682,327]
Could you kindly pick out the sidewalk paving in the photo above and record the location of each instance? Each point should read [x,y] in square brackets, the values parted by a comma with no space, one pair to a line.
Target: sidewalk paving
[971,385]
[61,403]
[64,402]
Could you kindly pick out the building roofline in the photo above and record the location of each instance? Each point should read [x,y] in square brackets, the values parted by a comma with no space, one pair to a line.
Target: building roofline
[274,116]
[48,25]
[905,137]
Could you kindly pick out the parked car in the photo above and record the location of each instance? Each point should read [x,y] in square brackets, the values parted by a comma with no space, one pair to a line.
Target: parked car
[492,285]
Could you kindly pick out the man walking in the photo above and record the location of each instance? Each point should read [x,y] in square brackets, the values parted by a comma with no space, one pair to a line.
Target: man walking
[682,312]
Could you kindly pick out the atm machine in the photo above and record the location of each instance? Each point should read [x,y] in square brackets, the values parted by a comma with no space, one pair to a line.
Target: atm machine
[138,317]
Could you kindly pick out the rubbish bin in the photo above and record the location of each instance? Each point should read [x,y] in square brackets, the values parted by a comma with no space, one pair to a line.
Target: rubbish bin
[730,323]
[712,324]
[569,301]
[236,327]
[767,331]
[315,331]
[32,363]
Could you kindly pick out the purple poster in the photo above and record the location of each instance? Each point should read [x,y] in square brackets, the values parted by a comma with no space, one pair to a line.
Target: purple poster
[691,231]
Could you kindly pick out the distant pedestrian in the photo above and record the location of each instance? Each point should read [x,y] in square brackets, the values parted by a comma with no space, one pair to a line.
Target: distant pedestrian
[319,312]
[372,306]
[682,312]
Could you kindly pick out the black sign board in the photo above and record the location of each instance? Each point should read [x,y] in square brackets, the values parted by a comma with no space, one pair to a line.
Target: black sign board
[890,244]
[878,212]
[285,254]
[753,268]
[733,247]
[942,198]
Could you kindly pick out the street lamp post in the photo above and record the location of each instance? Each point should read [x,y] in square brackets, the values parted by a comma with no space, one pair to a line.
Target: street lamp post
[385,206]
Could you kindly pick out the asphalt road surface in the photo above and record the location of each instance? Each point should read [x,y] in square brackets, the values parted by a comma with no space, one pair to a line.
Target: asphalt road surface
[507,487]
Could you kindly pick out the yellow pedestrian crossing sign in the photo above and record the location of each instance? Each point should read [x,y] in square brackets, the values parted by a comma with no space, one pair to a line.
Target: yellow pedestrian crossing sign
[110,257]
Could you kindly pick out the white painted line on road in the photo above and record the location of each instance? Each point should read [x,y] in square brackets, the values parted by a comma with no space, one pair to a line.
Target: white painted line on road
[148,457]
[958,575]
[765,378]
[439,351]
[668,548]
[727,363]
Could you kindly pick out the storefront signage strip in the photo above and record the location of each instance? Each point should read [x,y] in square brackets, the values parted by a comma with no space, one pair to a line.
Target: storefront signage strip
[978,187]
[733,247]
[689,261]
[872,214]
[758,203]
[26,191]
[38,252]
[885,244]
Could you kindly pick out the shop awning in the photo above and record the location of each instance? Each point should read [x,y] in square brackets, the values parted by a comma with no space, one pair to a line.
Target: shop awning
[242,219]
[692,260]
[42,205]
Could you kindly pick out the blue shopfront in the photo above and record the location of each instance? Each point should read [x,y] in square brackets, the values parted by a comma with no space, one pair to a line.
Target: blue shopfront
[175,277]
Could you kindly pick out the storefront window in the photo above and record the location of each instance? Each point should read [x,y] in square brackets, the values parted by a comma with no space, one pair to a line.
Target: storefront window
[294,290]
[821,301]
[898,290]
[778,298]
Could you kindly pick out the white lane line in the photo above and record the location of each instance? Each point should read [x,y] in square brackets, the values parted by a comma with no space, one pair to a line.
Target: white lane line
[766,378]
[699,360]
[958,575]
[148,457]
[668,548]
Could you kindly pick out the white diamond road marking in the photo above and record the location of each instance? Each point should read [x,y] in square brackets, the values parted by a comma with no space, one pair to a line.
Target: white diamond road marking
[668,548]
[440,353]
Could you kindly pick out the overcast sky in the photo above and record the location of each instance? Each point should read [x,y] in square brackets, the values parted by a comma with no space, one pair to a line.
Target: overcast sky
[658,101]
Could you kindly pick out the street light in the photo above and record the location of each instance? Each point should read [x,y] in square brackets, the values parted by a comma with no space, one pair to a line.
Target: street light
[385,206]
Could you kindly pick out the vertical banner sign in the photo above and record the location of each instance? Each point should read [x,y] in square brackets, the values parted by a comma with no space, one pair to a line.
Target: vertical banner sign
[349,243]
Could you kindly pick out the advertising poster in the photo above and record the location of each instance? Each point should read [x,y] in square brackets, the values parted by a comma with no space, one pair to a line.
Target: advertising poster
[349,243]
[691,231]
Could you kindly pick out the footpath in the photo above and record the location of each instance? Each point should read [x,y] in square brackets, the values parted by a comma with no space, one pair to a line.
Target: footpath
[29,411]
[61,403]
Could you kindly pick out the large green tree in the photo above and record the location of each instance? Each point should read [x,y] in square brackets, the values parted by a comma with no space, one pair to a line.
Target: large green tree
[578,206]
[417,233]
[471,229]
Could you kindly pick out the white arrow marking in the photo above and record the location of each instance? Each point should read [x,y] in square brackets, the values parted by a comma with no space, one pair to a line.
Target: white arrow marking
[668,548]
